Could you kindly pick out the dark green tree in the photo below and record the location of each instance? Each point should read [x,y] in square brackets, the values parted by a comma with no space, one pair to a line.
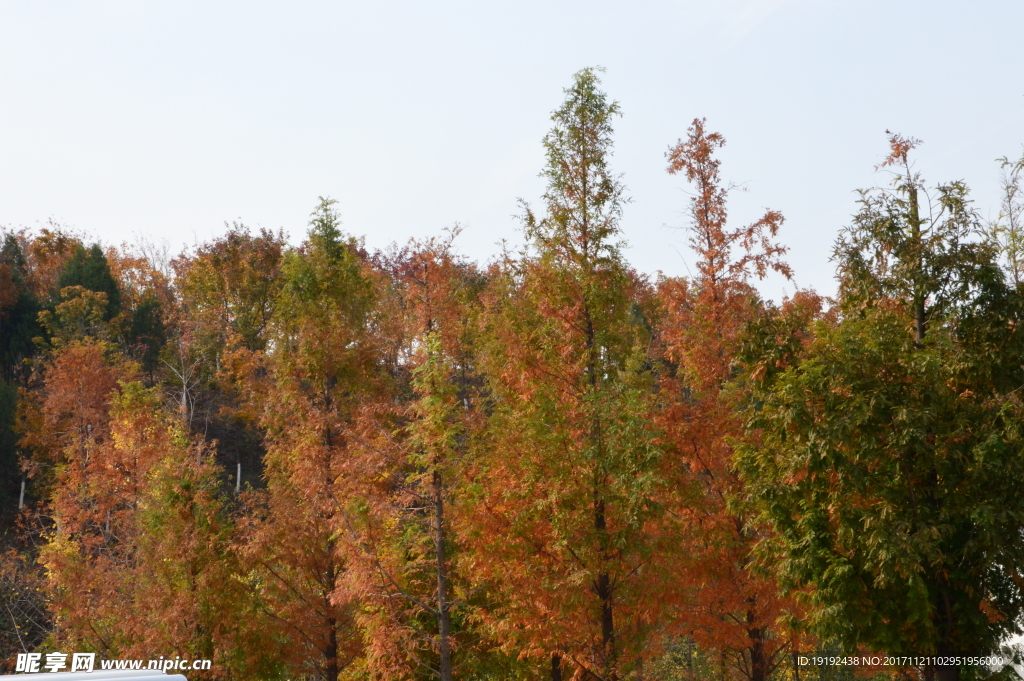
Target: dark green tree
[19,309]
[890,464]
[89,269]
[147,332]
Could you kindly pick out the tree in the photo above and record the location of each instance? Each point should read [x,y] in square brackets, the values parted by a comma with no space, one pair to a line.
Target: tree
[90,270]
[224,296]
[145,297]
[565,484]
[21,273]
[230,286]
[80,315]
[138,559]
[31,267]
[889,464]
[19,310]
[415,447]
[1007,232]
[732,608]
[306,389]
[46,255]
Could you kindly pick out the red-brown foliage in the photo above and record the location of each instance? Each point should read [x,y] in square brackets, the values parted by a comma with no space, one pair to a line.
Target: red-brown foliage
[733,609]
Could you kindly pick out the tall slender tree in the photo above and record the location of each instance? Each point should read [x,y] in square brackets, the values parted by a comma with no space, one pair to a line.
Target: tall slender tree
[306,390]
[566,487]
[732,609]
[414,446]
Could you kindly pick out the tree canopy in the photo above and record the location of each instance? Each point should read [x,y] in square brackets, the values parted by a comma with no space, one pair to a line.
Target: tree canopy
[304,458]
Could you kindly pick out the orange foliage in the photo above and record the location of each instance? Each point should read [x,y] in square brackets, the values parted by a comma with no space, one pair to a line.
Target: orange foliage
[46,254]
[733,609]
[135,557]
[307,391]
[411,449]
[564,527]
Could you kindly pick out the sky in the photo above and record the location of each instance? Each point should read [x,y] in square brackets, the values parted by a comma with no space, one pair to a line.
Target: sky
[166,120]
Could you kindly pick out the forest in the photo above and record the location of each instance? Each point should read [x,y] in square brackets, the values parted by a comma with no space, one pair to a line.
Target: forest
[323,462]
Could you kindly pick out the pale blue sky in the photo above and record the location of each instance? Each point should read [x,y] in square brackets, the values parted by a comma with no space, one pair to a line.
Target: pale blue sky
[168,118]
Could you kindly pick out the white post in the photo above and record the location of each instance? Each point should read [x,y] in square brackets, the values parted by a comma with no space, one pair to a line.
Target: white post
[238,479]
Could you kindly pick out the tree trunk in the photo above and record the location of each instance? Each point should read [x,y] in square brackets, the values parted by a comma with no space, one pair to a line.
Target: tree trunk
[919,295]
[443,605]
[556,667]
[758,653]
[331,669]
[759,662]
[603,586]
[947,644]
[604,593]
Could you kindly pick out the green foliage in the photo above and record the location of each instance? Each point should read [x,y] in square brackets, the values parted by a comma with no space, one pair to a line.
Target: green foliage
[89,269]
[230,286]
[683,660]
[147,333]
[19,321]
[889,252]
[324,304]
[890,463]
[931,258]
[584,199]
[890,481]
[81,314]
[1007,232]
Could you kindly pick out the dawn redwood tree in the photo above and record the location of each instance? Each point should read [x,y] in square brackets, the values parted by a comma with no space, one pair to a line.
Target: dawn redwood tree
[731,609]
[565,482]
[306,390]
[889,461]
[68,411]
[415,445]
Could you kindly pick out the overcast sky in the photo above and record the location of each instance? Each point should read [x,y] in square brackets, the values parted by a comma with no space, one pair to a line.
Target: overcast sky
[166,119]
